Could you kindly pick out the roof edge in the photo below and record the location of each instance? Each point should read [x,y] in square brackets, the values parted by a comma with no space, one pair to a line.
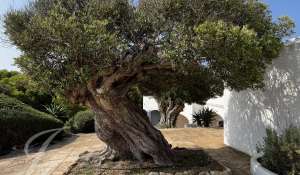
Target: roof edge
[292,41]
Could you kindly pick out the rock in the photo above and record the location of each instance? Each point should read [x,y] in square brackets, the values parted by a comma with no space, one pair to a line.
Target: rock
[188,172]
[84,153]
[184,173]
[204,173]
[153,173]
[219,173]
[190,126]
[163,173]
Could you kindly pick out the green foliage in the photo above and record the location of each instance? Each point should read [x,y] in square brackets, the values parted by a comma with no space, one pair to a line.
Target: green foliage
[21,87]
[71,109]
[64,109]
[204,117]
[233,46]
[281,153]
[7,74]
[69,126]
[285,26]
[57,111]
[197,86]
[69,44]
[162,126]
[18,122]
[83,121]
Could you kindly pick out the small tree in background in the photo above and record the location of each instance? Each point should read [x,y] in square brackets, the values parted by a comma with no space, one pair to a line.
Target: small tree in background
[177,89]
[169,107]
[94,51]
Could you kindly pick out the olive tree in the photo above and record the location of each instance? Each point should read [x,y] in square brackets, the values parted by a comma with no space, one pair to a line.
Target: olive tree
[94,51]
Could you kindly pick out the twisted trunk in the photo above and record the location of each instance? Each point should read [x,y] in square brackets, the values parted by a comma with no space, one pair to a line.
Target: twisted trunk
[122,125]
[169,112]
[128,132]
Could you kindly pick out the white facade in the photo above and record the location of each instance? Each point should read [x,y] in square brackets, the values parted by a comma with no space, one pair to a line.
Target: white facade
[248,113]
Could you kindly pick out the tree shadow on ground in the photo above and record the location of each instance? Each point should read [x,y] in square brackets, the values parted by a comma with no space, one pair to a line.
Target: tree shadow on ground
[187,161]
[236,161]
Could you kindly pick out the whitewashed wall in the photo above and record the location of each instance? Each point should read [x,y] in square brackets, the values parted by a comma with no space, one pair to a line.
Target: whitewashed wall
[248,113]
[217,104]
[150,104]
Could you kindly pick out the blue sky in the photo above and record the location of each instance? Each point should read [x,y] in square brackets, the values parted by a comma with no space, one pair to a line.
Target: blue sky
[7,52]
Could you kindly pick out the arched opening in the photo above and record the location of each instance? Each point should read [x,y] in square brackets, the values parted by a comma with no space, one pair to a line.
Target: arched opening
[181,121]
[217,122]
[154,117]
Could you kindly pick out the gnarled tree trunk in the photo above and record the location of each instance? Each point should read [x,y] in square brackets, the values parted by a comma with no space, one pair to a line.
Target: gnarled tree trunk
[169,111]
[122,125]
[127,131]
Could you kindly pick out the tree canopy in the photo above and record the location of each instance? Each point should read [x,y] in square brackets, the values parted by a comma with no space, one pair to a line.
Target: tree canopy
[68,43]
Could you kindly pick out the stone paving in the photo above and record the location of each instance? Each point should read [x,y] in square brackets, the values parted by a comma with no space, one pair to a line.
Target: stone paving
[62,155]
[55,161]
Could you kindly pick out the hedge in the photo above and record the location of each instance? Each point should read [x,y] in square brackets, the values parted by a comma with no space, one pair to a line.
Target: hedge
[83,122]
[18,122]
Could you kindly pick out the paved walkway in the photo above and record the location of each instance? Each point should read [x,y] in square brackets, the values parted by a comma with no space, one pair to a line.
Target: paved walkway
[55,161]
[60,156]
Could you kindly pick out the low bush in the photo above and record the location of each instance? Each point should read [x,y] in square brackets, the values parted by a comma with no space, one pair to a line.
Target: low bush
[83,122]
[18,122]
[204,117]
[162,126]
[58,111]
[281,153]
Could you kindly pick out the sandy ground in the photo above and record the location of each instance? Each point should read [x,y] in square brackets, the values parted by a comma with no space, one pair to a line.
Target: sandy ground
[212,141]
[60,156]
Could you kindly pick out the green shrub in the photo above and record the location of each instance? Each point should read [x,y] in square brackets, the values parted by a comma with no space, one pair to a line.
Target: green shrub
[62,108]
[162,126]
[204,117]
[281,153]
[83,121]
[58,111]
[18,122]
[69,127]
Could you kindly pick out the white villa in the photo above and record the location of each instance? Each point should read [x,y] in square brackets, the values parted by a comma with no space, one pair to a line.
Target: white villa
[248,113]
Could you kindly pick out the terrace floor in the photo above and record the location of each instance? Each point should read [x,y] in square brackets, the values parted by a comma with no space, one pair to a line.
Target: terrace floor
[62,155]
